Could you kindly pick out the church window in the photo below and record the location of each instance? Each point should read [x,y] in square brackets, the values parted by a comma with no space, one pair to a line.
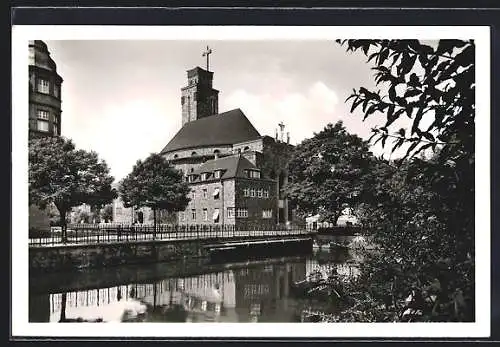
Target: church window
[205,214]
[193,195]
[193,214]
[204,193]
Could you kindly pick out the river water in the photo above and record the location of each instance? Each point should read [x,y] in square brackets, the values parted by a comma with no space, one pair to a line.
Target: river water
[259,290]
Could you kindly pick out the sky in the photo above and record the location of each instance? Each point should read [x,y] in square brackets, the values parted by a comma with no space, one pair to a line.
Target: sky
[121,98]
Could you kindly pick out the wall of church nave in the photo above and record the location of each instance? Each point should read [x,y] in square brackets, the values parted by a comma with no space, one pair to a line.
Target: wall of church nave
[198,151]
[255,145]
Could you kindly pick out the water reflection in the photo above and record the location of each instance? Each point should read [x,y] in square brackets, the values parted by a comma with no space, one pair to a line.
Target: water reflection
[250,292]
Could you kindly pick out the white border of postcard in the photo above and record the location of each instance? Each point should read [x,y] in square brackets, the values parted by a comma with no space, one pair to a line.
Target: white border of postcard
[20,325]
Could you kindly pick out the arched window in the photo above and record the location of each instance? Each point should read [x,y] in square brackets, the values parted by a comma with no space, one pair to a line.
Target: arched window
[176,156]
[193,154]
[216,151]
[246,148]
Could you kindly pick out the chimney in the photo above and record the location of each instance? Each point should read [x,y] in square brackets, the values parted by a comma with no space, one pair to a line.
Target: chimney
[288,137]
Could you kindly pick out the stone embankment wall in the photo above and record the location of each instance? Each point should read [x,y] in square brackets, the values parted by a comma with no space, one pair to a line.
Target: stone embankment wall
[66,258]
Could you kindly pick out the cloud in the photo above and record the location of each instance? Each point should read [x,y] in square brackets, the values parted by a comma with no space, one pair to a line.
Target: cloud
[303,113]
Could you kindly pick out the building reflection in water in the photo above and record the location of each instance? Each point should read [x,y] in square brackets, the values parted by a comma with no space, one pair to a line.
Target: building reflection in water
[251,294]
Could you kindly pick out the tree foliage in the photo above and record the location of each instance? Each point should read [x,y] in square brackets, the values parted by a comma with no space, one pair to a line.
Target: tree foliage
[155,183]
[67,177]
[420,81]
[107,213]
[327,171]
[422,214]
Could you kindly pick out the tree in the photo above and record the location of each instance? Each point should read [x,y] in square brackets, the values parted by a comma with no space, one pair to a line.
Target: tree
[67,177]
[156,184]
[327,171]
[423,218]
[421,81]
[107,213]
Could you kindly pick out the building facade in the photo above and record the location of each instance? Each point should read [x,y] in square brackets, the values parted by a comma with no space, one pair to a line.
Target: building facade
[230,191]
[44,112]
[44,92]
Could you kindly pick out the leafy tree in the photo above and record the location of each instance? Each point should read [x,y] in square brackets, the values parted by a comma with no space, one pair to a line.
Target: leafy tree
[107,213]
[156,184]
[421,81]
[67,177]
[327,171]
[423,216]
[83,216]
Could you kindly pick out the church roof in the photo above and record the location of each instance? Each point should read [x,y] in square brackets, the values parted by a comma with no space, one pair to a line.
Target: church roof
[231,167]
[222,129]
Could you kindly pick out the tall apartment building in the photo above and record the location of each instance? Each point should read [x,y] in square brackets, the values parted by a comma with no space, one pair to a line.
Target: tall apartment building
[44,111]
[44,92]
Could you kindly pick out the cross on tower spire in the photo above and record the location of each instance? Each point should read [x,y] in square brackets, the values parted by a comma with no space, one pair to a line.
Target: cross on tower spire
[206,54]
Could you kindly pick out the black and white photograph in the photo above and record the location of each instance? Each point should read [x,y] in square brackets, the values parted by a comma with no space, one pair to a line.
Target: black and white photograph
[309,177]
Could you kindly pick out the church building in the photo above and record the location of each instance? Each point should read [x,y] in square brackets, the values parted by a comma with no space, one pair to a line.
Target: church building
[236,174]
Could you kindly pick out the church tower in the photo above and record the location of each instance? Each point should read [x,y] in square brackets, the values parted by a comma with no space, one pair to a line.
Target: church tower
[198,98]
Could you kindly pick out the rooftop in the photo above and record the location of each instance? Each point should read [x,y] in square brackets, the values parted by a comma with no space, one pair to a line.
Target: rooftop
[222,129]
[230,166]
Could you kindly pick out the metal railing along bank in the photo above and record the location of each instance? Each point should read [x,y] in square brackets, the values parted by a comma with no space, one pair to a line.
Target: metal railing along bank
[106,233]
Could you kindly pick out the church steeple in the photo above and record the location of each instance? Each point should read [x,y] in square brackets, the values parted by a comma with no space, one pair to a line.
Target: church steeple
[199,99]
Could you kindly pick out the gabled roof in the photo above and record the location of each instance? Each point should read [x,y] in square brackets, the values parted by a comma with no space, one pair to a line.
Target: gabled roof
[222,129]
[231,167]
